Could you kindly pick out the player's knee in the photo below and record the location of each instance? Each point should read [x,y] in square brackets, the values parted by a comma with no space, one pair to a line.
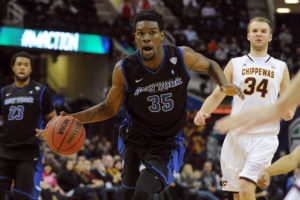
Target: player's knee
[247,189]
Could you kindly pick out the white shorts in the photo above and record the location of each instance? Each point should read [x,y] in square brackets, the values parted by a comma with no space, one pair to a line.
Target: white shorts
[245,156]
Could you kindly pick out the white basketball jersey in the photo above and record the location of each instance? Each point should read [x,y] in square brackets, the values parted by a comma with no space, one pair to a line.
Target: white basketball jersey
[259,79]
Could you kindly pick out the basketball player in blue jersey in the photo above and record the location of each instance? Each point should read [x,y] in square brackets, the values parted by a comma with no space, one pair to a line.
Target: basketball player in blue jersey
[261,78]
[23,105]
[153,82]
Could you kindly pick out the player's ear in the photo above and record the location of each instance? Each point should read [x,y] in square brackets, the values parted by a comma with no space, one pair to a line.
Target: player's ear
[162,35]
[270,38]
[248,37]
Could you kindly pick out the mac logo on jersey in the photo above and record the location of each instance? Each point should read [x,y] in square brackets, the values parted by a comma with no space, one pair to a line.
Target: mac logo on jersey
[37,88]
[173,60]
[244,65]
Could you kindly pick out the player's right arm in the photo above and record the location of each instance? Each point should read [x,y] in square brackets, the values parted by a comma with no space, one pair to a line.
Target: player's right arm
[283,165]
[213,100]
[110,106]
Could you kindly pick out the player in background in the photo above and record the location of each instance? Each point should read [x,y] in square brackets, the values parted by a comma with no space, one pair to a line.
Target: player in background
[261,78]
[153,82]
[23,105]
[289,100]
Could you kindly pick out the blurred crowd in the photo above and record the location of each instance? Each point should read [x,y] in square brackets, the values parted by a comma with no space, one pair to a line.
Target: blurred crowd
[217,29]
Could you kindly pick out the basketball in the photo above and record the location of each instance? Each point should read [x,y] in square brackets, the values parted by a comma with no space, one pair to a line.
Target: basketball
[65,135]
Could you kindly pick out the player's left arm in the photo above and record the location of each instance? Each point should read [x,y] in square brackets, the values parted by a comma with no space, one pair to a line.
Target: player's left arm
[196,61]
[285,83]
[48,111]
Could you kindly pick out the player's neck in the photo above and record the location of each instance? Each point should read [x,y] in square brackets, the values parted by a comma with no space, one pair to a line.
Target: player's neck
[156,62]
[20,84]
[259,52]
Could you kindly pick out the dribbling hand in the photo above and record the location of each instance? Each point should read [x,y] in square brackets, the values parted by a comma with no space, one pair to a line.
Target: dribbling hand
[231,90]
[63,113]
[200,118]
[263,180]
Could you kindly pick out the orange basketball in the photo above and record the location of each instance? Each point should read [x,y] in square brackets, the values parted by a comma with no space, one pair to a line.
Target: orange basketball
[65,135]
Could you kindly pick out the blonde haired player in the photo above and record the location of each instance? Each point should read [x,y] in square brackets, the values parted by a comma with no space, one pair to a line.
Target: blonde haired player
[288,100]
[261,78]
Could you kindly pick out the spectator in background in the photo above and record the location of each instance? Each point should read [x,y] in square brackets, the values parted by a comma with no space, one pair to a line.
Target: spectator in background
[113,177]
[285,36]
[209,184]
[143,5]
[191,33]
[49,157]
[221,55]
[126,11]
[208,11]
[72,183]
[186,181]
[93,181]
[243,20]
[194,3]
[190,12]
[212,47]
[49,185]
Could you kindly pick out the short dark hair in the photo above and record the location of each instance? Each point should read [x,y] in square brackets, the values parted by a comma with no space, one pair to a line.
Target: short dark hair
[20,54]
[150,15]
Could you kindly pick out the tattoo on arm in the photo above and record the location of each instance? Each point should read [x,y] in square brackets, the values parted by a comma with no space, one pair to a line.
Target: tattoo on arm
[95,113]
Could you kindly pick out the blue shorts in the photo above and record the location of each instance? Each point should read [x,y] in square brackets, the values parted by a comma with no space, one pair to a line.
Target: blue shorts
[164,156]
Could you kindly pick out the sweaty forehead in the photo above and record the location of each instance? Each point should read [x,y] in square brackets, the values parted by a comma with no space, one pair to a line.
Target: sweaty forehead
[146,25]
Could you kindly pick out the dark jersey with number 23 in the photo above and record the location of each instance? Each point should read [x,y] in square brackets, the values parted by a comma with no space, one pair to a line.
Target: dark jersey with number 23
[23,110]
[156,100]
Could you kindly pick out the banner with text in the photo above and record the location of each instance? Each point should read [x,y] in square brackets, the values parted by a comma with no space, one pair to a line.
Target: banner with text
[54,40]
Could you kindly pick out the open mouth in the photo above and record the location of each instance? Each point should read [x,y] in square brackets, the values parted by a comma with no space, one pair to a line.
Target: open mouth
[21,74]
[146,49]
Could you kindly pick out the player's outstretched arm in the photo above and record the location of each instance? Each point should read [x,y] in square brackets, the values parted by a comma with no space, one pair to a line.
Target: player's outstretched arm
[288,100]
[112,103]
[283,165]
[213,100]
[198,62]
